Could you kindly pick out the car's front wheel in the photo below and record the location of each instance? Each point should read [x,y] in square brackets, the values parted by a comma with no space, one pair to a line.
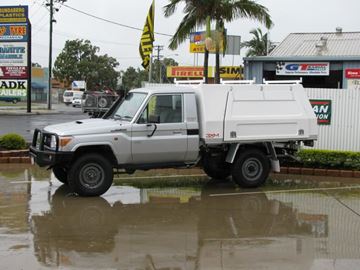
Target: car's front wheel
[91,175]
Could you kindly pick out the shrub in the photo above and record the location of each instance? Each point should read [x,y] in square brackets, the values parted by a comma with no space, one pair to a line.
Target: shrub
[12,141]
[329,159]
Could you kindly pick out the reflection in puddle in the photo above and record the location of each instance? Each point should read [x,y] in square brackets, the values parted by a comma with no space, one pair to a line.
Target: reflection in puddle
[216,227]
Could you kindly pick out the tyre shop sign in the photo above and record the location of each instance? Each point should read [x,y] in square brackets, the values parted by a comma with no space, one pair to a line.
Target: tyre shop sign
[303,69]
[13,32]
[322,110]
[13,88]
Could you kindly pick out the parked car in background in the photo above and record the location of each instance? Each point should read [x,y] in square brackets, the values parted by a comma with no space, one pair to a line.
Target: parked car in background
[10,99]
[69,96]
[77,102]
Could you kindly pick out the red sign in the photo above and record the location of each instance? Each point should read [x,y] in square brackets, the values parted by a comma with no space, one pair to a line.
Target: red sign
[352,73]
[185,72]
[13,72]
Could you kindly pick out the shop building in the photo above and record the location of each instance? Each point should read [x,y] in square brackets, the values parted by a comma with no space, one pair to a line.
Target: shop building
[321,60]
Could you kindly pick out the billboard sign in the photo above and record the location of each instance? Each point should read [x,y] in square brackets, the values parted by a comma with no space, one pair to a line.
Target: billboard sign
[186,72]
[13,54]
[303,69]
[13,72]
[352,73]
[13,88]
[197,42]
[322,110]
[231,72]
[15,62]
[13,32]
[226,72]
[13,14]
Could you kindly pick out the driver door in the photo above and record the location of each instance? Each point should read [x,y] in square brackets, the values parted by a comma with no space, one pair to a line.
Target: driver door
[160,134]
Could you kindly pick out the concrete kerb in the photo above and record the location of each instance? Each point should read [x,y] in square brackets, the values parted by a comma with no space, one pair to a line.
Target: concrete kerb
[24,113]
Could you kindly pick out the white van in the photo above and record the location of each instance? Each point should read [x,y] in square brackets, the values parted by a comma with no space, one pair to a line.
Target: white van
[69,95]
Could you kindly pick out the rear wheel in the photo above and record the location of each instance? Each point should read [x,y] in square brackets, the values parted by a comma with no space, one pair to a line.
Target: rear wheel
[251,168]
[215,166]
[60,174]
[91,175]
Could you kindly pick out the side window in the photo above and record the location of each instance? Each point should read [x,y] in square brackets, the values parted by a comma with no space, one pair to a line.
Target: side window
[163,109]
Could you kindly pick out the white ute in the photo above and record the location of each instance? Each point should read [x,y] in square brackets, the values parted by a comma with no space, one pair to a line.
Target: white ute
[231,130]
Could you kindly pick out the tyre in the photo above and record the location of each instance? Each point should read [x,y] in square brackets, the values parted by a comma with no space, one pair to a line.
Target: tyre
[251,168]
[103,102]
[91,175]
[216,167]
[60,174]
[89,101]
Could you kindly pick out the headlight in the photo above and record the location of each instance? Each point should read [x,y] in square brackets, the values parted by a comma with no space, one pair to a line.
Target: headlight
[53,142]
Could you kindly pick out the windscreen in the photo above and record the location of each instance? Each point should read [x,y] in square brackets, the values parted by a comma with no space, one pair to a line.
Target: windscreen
[129,106]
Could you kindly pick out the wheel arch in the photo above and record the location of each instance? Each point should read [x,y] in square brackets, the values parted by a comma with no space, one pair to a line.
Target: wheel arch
[237,148]
[103,149]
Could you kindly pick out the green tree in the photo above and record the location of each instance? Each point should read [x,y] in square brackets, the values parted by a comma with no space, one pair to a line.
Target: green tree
[202,12]
[230,10]
[133,78]
[163,64]
[259,45]
[197,12]
[79,60]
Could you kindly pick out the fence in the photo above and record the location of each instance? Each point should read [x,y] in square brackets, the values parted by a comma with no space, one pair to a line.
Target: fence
[343,133]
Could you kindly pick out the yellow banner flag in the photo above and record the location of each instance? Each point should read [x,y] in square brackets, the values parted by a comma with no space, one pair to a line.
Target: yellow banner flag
[147,38]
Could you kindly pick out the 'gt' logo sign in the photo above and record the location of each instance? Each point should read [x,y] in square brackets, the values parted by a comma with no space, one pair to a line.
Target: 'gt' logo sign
[306,67]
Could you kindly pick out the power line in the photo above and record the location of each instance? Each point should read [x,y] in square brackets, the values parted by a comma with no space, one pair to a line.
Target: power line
[112,22]
[71,35]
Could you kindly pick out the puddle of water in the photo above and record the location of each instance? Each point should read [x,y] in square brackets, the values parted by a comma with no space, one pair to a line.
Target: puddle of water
[218,226]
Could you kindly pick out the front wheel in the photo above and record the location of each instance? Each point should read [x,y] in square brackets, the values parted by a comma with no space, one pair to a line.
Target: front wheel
[91,175]
[251,168]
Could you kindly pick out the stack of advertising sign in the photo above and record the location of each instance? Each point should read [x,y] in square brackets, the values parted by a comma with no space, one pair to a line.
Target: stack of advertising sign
[15,54]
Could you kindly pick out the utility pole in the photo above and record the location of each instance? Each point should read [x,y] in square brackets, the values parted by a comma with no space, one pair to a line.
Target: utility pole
[51,5]
[158,49]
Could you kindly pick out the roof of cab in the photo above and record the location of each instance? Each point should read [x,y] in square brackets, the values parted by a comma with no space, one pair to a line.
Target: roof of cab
[166,90]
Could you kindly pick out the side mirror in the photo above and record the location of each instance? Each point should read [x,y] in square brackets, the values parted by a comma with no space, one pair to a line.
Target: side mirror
[154,119]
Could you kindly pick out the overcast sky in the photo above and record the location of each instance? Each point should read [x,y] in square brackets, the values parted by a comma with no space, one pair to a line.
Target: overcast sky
[288,15]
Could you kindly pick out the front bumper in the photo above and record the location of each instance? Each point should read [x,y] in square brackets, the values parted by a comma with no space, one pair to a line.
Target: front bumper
[43,155]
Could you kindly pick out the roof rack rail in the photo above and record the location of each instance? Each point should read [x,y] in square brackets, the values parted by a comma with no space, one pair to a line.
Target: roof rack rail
[188,82]
[238,81]
[283,82]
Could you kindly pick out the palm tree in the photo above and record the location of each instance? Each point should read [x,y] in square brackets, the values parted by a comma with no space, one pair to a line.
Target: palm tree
[202,12]
[230,10]
[197,12]
[259,45]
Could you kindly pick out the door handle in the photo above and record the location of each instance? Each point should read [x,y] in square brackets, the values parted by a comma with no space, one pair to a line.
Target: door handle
[177,132]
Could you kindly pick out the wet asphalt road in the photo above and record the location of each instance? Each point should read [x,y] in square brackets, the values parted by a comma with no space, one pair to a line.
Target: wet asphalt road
[25,124]
[294,223]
